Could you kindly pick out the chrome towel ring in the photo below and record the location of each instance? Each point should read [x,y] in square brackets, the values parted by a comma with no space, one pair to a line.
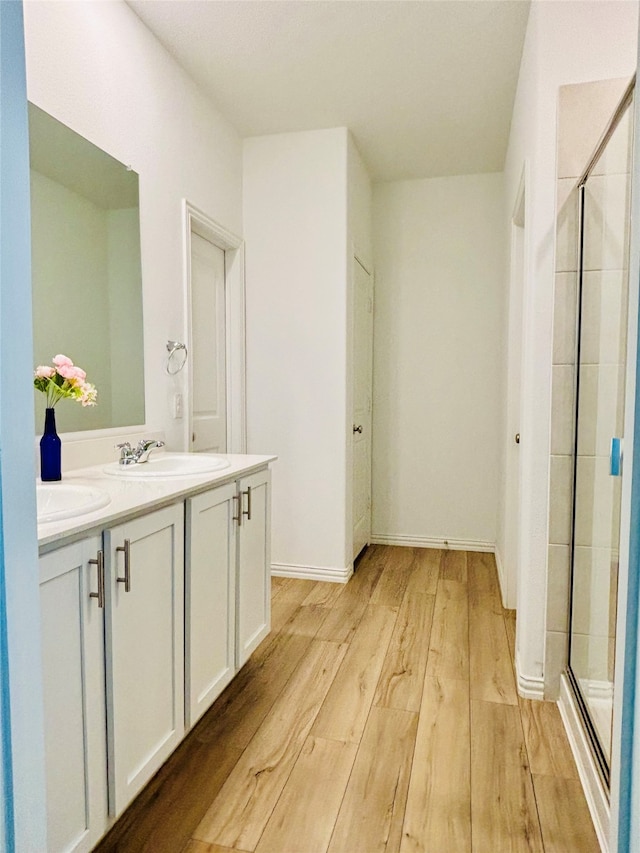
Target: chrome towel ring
[177,357]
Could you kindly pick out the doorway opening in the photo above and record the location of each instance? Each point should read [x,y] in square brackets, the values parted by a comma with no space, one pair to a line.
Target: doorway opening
[215,414]
[362,339]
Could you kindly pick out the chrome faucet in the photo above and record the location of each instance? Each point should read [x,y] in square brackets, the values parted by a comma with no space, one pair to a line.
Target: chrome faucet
[144,448]
[139,454]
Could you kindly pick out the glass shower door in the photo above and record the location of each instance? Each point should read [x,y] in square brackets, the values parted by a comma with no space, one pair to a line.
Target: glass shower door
[605,211]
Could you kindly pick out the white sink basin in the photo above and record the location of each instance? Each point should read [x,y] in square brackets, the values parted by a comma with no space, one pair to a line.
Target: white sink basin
[169,465]
[57,501]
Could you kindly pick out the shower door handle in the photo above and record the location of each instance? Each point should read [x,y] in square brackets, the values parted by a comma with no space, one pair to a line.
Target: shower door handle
[615,459]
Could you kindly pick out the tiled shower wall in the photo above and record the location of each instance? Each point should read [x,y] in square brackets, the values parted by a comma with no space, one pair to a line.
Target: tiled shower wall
[584,111]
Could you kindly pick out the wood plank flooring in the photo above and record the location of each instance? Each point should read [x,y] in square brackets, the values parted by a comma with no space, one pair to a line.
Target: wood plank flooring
[377,717]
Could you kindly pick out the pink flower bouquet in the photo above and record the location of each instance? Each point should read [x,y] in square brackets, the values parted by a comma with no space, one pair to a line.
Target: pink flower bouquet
[64,380]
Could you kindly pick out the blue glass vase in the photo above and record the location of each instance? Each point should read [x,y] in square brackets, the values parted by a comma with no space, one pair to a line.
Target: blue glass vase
[50,449]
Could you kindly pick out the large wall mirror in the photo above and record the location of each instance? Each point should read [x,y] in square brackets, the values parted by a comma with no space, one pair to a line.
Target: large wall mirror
[86,271]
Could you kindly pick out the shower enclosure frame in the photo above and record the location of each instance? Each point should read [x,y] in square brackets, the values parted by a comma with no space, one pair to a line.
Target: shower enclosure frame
[600,758]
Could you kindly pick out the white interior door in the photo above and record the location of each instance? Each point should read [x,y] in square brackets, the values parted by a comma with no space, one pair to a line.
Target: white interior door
[208,348]
[362,391]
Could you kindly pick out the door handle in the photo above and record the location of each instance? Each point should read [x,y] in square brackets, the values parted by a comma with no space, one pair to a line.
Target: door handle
[247,511]
[99,562]
[238,517]
[126,550]
[615,457]
[357,428]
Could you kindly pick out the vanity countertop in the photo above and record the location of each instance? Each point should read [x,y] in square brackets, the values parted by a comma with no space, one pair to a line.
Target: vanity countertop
[131,497]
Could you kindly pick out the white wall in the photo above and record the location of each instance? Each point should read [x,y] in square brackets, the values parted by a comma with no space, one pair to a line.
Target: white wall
[565,43]
[437,356]
[295,227]
[96,67]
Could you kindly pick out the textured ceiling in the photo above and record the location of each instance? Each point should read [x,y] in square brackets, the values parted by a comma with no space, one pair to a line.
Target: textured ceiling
[426,87]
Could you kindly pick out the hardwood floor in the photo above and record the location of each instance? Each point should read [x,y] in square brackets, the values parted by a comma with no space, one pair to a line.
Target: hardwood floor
[377,717]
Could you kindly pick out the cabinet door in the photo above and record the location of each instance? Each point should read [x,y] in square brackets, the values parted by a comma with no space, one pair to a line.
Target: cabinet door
[145,648]
[254,564]
[210,595]
[72,626]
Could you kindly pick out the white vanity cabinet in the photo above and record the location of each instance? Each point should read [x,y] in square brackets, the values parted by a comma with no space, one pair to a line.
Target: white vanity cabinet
[210,596]
[254,564]
[136,640]
[72,625]
[144,648]
[227,585]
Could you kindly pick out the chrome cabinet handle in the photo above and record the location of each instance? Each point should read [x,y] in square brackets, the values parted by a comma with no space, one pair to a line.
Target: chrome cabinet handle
[247,511]
[357,428]
[238,517]
[99,562]
[126,550]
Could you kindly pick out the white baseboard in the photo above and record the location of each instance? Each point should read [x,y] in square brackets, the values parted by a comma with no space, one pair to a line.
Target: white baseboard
[529,686]
[313,573]
[430,542]
[594,792]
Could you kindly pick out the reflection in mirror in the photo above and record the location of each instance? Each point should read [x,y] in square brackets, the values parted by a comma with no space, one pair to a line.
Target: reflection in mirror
[86,272]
